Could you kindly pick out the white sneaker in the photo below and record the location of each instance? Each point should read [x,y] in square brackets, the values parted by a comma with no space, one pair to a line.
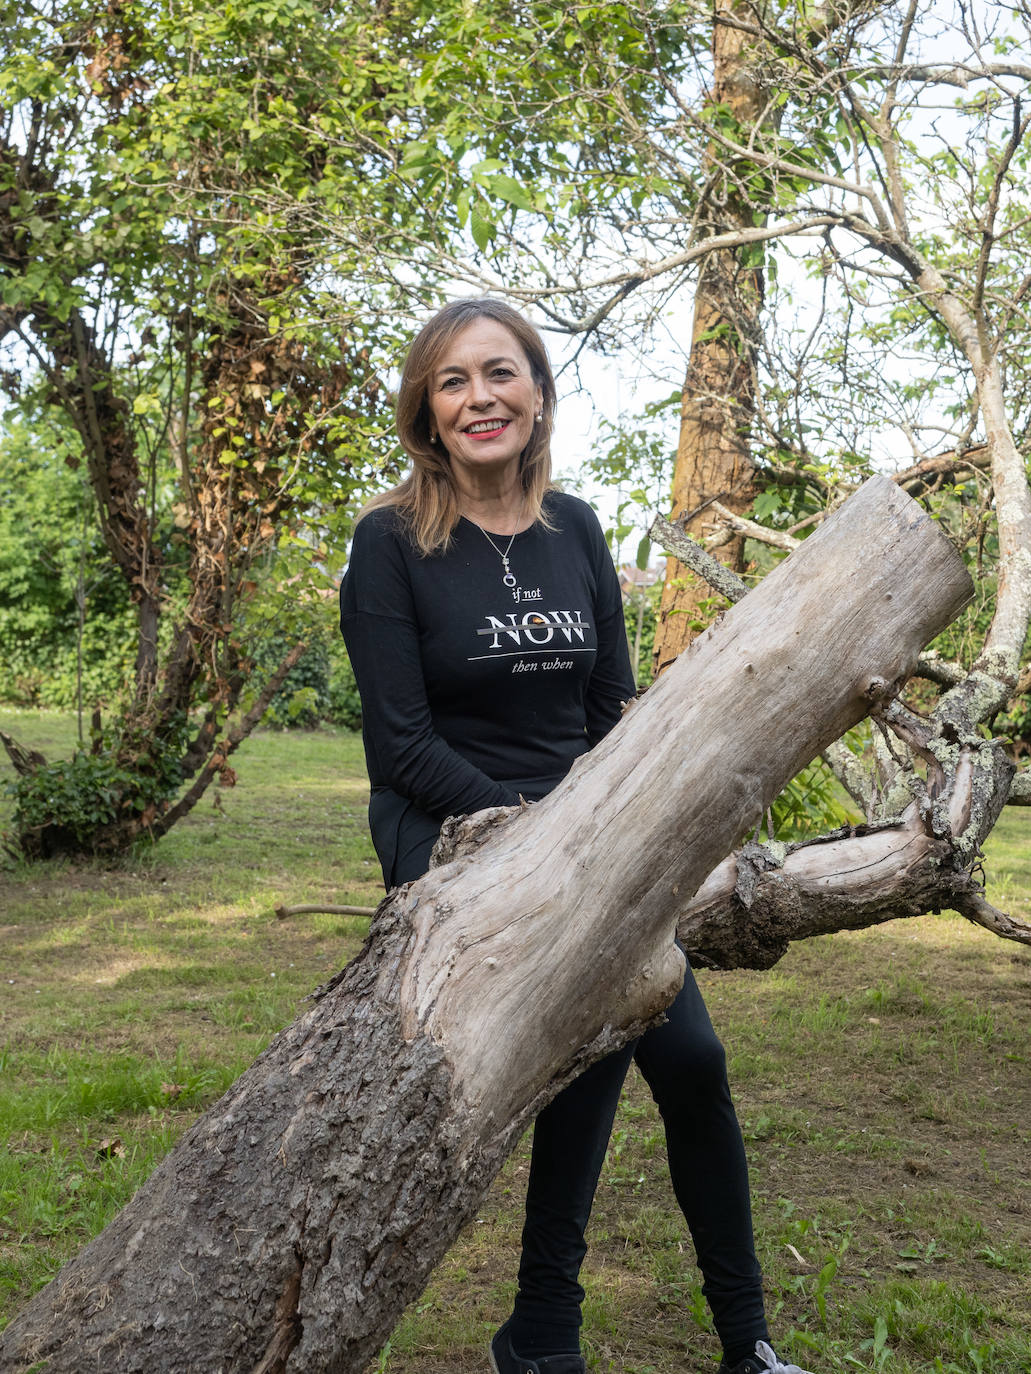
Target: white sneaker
[764,1361]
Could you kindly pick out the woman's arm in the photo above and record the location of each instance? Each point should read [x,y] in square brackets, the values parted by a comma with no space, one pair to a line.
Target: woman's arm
[612,682]
[379,625]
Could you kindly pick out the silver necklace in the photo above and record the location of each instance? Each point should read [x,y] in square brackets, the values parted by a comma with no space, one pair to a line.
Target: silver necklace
[509,578]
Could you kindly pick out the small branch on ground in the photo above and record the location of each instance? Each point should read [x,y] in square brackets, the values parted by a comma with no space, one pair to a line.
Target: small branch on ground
[306,908]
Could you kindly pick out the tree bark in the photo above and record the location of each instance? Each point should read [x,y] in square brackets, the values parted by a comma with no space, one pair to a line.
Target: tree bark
[917,857]
[713,461]
[299,1215]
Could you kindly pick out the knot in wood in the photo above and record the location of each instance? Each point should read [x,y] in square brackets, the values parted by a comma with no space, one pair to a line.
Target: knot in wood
[753,860]
[463,834]
[879,690]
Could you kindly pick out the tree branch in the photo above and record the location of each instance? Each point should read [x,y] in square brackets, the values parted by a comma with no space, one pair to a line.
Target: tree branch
[972,903]
[674,541]
[779,539]
[235,737]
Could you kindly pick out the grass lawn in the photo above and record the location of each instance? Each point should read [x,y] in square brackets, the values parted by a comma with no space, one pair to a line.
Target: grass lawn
[882,1079]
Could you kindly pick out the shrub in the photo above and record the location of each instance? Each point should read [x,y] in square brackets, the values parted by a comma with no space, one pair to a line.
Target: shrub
[303,699]
[345,705]
[77,797]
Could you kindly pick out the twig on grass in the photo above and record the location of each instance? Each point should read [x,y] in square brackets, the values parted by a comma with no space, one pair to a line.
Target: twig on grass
[282,912]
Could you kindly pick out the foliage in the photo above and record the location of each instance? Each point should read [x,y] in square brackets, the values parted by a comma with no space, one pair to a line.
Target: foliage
[303,699]
[811,804]
[208,381]
[345,703]
[52,564]
[319,688]
[633,460]
[82,797]
[534,130]
[640,609]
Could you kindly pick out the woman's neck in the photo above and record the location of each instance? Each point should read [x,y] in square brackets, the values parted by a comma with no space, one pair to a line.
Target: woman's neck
[500,509]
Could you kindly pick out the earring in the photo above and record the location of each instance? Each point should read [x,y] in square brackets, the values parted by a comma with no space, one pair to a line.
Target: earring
[433,436]
[538,418]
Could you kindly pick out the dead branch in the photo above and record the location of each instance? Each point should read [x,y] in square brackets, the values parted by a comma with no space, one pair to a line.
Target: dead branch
[316,908]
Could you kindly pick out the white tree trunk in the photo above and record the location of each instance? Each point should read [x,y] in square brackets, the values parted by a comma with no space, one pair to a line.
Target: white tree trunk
[299,1215]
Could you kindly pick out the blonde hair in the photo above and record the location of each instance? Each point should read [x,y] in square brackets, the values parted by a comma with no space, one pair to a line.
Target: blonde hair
[428,500]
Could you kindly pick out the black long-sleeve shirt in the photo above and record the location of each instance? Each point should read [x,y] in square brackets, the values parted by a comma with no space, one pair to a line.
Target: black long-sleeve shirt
[473,692]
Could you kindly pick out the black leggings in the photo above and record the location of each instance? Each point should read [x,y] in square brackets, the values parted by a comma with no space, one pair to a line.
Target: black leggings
[684,1065]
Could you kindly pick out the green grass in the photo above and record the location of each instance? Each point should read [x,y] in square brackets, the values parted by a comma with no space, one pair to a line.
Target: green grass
[882,1082]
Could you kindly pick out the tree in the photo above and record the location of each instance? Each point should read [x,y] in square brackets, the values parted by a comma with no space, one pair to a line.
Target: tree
[221,410]
[713,461]
[297,1217]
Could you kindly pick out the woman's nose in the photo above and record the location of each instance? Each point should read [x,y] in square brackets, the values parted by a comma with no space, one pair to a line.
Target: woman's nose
[480,393]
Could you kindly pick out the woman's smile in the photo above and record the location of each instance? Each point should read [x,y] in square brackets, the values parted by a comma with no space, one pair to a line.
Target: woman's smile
[486,429]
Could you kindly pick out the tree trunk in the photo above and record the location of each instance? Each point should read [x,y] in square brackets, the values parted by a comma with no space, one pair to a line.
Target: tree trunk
[713,461]
[299,1215]
[920,850]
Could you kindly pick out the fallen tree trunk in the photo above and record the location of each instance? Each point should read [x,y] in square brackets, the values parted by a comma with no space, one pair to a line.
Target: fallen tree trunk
[294,1221]
[920,855]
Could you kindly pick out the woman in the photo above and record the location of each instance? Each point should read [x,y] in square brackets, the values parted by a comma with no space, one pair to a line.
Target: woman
[484,623]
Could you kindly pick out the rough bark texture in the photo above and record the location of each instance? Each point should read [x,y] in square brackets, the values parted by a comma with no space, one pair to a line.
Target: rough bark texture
[713,460]
[292,1224]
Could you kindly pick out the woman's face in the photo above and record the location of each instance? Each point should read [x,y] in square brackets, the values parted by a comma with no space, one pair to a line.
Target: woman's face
[483,399]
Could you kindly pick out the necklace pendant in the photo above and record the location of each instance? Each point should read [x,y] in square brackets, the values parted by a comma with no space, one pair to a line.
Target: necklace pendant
[508,578]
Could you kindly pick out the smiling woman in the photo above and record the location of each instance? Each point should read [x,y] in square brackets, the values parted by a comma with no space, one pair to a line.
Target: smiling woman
[472,699]
[484,405]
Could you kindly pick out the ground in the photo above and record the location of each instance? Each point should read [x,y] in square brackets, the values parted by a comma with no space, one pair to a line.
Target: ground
[881,1078]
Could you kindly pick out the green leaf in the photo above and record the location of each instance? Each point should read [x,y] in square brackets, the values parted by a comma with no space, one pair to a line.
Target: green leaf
[482,229]
[511,191]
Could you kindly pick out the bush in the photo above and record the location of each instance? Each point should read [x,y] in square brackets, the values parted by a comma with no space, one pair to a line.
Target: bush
[303,699]
[345,705]
[43,672]
[52,556]
[77,797]
[320,687]
[643,602]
